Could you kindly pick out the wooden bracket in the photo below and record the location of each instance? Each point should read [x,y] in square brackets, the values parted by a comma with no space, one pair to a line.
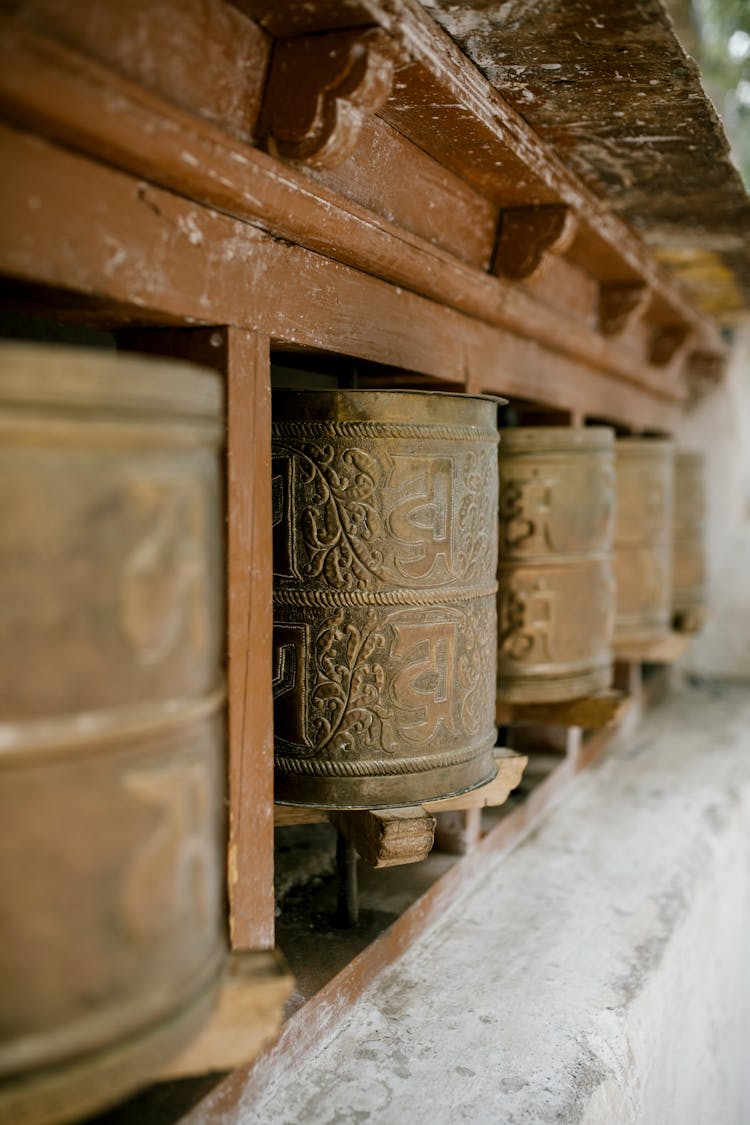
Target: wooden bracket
[246,1018]
[621,303]
[527,235]
[321,89]
[591,712]
[667,342]
[690,620]
[665,651]
[510,767]
[387,837]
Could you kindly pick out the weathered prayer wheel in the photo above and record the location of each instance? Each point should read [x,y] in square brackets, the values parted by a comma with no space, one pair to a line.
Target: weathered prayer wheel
[556,597]
[385,554]
[688,542]
[643,540]
[111,723]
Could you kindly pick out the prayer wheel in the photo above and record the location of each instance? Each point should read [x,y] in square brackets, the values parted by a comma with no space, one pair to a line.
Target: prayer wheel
[643,541]
[688,542]
[111,723]
[385,554]
[556,596]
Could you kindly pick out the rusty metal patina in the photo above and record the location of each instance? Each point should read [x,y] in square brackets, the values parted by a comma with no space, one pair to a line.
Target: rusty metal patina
[688,543]
[556,598]
[385,554]
[643,540]
[111,723]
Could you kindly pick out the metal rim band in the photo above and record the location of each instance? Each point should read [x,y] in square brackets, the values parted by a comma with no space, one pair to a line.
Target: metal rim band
[22,741]
[335,599]
[315,430]
[381,767]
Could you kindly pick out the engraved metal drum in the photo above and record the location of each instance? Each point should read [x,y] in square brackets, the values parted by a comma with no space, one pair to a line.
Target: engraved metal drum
[643,540]
[111,723]
[556,598]
[385,553]
[688,542]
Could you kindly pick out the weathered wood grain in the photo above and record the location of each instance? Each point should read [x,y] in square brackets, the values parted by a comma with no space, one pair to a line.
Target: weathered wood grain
[203,55]
[249,584]
[610,88]
[77,226]
[85,105]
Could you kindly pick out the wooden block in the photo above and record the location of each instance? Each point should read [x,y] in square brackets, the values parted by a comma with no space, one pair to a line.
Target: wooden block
[510,767]
[387,837]
[246,1018]
[666,651]
[591,712]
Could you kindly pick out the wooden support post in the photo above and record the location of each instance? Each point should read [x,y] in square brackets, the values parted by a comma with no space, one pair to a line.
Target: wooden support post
[387,837]
[628,679]
[244,360]
[459,832]
[250,617]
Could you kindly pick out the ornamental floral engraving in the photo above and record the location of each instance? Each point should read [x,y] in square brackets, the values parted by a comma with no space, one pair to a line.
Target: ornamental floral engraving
[476,520]
[477,665]
[354,518]
[346,712]
[339,520]
[384,683]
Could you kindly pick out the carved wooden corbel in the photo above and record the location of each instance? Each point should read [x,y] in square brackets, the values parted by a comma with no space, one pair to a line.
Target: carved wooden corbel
[621,303]
[320,90]
[667,342]
[527,235]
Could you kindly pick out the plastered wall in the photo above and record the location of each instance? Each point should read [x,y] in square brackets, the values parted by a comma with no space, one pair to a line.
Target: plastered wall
[720,426]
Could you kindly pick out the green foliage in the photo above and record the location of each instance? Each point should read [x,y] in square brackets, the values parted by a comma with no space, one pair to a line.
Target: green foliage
[724,29]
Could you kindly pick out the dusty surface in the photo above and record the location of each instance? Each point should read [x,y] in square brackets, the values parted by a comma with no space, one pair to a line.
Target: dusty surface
[610,87]
[597,974]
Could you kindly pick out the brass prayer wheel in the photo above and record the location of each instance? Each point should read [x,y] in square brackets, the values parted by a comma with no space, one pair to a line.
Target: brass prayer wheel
[643,540]
[111,723]
[385,554]
[688,542]
[556,598]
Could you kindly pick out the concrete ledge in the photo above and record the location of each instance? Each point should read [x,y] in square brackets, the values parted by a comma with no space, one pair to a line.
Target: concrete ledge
[600,973]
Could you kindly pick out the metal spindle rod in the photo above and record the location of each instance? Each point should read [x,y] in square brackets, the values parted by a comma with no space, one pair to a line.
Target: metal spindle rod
[347,913]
